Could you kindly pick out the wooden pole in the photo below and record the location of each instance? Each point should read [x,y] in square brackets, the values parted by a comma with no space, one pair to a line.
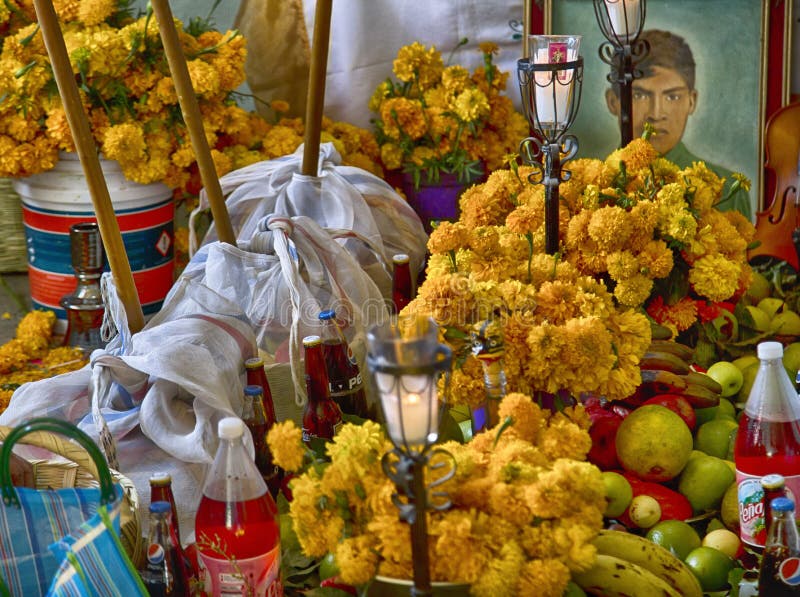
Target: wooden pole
[526,28]
[316,86]
[194,122]
[87,152]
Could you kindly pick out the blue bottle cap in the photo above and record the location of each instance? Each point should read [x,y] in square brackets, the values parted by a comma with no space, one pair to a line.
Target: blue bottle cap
[327,314]
[252,390]
[160,507]
[782,504]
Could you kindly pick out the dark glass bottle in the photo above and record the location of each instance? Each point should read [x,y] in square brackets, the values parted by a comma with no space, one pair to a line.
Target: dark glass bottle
[321,416]
[256,420]
[345,384]
[402,289]
[773,486]
[161,491]
[254,368]
[164,572]
[779,564]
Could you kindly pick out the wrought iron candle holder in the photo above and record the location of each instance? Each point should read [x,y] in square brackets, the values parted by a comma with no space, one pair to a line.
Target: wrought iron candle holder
[621,22]
[550,82]
[405,370]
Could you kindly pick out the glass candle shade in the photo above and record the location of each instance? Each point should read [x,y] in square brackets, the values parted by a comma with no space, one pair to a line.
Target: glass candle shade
[554,88]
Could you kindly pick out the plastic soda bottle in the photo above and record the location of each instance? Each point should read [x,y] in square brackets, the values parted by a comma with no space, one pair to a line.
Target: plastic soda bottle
[164,572]
[402,290]
[767,442]
[345,384]
[321,415]
[236,526]
[779,573]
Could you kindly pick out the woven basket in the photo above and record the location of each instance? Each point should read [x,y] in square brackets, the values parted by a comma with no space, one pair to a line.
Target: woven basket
[79,470]
[13,256]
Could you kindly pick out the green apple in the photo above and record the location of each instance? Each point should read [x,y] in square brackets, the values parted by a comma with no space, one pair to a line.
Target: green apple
[749,376]
[716,437]
[747,360]
[728,375]
[759,288]
[786,323]
[725,409]
[760,318]
[771,305]
[704,481]
[619,494]
[791,359]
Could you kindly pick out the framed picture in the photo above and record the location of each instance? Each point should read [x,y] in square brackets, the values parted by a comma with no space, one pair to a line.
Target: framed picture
[728,40]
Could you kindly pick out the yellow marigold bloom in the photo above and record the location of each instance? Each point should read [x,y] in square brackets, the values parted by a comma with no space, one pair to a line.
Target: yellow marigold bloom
[622,265]
[205,79]
[637,155]
[357,560]
[715,277]
[279,106]
[454,79]
[656,259]
[501,573]
[448,236]
[416,63]
[633,291]
[610,227]
[525,219]
[471,105]
[549,576]
[401,115]
[285,443]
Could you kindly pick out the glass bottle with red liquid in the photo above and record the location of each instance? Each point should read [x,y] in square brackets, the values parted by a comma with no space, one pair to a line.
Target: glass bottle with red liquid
[779,574]
[322,417]
[236,526]
[402,290]
[164,572]
[767,442]
[345,384]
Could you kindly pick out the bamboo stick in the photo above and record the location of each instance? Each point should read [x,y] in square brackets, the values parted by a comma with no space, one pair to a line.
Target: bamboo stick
[87,152]
[526,28]
[193,120]
[316,86]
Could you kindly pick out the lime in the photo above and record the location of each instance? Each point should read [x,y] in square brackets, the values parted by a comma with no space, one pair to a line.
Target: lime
[711,567]
[704,482]
[619,494]
[715,437]
[328,567]
[675,535]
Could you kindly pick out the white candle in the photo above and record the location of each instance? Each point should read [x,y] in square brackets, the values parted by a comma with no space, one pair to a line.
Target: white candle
[420,416]
[551,108]
[616,16]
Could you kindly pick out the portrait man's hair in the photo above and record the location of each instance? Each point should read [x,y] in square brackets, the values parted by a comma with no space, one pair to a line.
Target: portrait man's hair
[668,50]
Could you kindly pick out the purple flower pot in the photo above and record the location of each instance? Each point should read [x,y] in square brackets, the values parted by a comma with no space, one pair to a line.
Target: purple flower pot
[436,201]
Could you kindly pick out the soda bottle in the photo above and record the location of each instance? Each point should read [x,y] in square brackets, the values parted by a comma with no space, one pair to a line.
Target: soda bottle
[254,368]
[161,491]
[773,486]
[779,574]
[345,383]
[768,441]
[321,416]
[164,572]
[402,291]
[236,526]
[259,426]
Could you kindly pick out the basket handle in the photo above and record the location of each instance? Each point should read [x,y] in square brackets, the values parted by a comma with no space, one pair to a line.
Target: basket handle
[107,493]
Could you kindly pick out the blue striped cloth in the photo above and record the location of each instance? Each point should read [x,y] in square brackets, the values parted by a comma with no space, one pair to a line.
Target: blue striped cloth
[27,564]
[94,563]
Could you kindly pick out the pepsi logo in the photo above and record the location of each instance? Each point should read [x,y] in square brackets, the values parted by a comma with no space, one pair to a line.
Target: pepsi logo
[789,571]
[155,553]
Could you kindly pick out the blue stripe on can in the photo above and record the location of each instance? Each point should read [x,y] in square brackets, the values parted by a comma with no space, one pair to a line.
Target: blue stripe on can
[51,251]
[147,308]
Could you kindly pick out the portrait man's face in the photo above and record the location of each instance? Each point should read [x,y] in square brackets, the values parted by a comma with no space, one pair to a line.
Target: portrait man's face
[662,99]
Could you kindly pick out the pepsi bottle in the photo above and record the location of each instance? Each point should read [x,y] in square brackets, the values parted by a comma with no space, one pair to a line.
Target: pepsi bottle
[779,574]
[164,572]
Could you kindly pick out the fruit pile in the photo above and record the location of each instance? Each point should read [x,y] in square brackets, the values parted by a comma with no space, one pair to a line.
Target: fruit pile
[667,457]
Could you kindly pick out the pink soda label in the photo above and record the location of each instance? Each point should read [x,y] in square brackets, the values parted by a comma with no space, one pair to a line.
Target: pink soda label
[752,509]
[259,576]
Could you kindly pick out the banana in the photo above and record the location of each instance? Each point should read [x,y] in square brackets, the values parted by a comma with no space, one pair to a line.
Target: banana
[661,381]
[659,332]
[700,396]
[679,350]
[643,552]
[701,379]
[611,576]
[664,360]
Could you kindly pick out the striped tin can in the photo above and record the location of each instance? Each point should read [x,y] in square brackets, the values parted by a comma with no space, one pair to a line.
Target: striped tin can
[53,201]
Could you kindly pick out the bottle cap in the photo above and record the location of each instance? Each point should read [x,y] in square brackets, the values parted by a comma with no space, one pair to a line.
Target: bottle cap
[773,481]
[253,390]
[160,507]
[327,314]
[230,428]
[770,350]
[312,341]
[160,478]
[254,363]
[782,504]
[400,258]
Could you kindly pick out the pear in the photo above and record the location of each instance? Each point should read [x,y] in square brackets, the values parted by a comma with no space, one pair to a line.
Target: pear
[759,317]
[771,305]
[786,323]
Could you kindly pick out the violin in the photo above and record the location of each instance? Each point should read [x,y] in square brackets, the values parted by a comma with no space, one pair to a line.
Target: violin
[778,226]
